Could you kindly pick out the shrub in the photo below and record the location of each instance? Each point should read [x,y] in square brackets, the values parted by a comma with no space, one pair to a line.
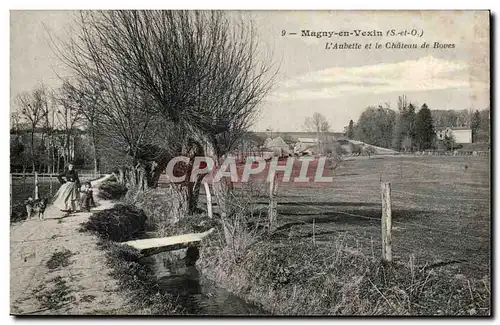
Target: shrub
[245,223]
[293,277]
[120,223]
[356,149]
[110,190]
[138,280]
[156,204]
[18,211]
[370,151]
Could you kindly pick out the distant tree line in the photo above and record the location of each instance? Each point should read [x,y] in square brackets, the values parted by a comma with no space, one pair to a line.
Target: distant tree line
[410,128]
[49,129]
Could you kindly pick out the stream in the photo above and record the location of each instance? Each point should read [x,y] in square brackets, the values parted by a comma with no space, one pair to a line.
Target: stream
[198,295]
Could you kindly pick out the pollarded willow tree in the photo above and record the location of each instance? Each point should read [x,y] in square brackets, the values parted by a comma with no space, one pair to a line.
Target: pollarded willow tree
[200,69]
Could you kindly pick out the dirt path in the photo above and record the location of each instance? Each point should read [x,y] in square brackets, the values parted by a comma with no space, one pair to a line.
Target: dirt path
[78,283]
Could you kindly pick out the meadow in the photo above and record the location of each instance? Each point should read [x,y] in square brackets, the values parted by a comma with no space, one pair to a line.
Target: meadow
[440,208]
[325,255]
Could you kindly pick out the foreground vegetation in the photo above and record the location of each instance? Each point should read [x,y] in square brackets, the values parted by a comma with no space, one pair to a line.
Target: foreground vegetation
[291,277]
[137,280]
[330,271]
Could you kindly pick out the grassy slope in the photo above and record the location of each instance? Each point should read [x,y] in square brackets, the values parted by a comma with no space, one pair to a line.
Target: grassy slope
[440,212]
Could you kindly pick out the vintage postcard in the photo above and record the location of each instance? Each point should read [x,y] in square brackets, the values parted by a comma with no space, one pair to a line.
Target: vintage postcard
[250,163]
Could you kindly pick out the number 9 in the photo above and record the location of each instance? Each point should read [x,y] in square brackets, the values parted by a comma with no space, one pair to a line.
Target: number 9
[283,32]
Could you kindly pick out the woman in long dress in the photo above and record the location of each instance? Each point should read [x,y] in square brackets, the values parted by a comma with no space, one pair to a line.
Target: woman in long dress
[66,198]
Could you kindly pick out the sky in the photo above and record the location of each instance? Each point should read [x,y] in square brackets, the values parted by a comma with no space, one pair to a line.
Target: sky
[338,84]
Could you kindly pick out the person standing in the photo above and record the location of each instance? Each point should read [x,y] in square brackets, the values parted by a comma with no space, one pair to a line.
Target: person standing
[67,196]
[87,199]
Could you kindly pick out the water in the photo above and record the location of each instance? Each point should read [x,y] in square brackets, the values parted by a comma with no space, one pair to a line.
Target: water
[195,293]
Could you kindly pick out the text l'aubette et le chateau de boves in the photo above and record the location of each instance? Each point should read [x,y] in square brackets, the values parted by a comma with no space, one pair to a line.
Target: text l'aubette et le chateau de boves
[371,34]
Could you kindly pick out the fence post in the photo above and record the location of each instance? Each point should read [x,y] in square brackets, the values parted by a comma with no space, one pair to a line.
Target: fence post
[209,199]
[50,184]
[11,185]
[314,234]
[273,191]
[386,222]
[36,186]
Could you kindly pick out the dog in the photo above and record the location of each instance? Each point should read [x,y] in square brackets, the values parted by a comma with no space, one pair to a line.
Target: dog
[36,206]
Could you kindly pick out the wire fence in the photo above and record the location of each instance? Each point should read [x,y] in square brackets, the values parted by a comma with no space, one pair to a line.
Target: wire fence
[43,185]
[23,184]
[465,241]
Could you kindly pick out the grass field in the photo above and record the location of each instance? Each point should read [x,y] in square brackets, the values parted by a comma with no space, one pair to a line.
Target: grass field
[324,256]
[440,209]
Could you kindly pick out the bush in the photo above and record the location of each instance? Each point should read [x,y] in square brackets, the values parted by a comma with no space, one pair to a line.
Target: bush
[18,211]
[111,190]
[356,149]
[194,223]
[156,204]
[138,280]
[293,277]
[370,151]
[120,223]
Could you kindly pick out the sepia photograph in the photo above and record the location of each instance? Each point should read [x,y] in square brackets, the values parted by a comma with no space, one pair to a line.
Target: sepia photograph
[250,163]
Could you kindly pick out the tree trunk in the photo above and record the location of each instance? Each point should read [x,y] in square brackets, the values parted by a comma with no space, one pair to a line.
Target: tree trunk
[94,152]
[141,179]
[131,178]
[58,162]
[121,176]
[221,192]
[68,151]
[33,149]
[179,200]
[194,189]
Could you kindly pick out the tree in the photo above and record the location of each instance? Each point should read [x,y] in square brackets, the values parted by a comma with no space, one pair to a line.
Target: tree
[68,116]
[350,130]
[449,142]
[33,109]
[375,126]
[16,122]
[87,95]
[405,123]
[483,133]
[319,124]
[17,152]
[424,129]
[475,125]
[197,69]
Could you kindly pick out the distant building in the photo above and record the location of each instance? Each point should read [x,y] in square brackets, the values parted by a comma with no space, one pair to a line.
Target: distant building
[306,146]
[308,140]
[277,146]
[293,137]
[460,134]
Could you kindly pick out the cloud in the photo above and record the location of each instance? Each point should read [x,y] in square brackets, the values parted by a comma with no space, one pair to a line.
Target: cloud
[424,74]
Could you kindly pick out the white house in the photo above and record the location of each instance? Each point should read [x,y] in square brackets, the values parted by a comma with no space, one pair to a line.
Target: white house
[308,140]
[460,134]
